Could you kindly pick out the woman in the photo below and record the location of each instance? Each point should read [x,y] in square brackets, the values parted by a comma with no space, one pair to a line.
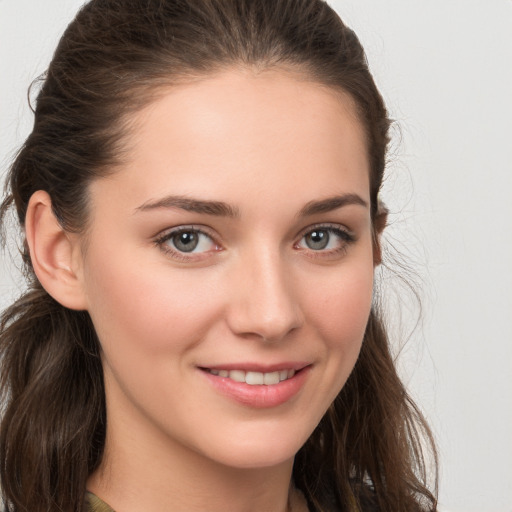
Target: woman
[199,198]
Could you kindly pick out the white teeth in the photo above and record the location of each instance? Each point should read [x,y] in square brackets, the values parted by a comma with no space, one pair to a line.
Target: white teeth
[237,375]
[271,378]
[255,378]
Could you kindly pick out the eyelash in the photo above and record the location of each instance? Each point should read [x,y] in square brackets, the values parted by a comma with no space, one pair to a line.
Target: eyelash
[161,242]
[345,236]
[346,239]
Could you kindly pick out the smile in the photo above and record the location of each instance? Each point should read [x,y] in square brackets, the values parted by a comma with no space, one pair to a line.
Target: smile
[255,378]
[254,388]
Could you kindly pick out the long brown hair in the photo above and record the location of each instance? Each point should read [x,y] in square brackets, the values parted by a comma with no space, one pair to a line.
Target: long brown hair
[110,62]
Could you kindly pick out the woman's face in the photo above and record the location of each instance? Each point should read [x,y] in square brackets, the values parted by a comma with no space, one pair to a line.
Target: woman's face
[228,267]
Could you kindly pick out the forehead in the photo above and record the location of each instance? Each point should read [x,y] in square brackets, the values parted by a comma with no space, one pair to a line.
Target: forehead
[273,131]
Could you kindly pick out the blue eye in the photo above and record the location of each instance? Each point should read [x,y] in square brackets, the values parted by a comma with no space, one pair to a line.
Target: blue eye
[325,238]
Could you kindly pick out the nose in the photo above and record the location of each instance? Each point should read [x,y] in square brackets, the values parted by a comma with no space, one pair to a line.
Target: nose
[264,304]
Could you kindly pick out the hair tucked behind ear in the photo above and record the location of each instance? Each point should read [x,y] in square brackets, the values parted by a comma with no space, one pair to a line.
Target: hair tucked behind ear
[112,60]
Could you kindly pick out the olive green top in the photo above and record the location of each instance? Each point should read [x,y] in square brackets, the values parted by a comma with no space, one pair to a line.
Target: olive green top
[94,504]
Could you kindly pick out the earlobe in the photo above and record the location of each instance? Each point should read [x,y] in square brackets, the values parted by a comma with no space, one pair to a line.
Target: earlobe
[55,253]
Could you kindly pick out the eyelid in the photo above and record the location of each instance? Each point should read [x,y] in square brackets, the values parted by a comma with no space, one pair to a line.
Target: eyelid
[346,235]
[164,236]
[327,226]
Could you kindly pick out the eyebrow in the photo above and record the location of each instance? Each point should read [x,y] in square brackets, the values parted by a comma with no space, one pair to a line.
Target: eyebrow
[221,209]
[331,203]
[217,208]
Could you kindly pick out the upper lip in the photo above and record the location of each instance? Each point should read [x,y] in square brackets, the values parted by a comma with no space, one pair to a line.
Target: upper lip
[257,367]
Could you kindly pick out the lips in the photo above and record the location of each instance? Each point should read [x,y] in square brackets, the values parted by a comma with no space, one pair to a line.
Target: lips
[258,387]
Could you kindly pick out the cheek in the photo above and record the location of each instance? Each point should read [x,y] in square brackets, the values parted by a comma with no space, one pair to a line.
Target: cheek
[339,314]
[148,311]
[340,310]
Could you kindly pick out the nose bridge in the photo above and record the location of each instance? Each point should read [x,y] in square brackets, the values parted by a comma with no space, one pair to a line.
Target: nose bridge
[266,304]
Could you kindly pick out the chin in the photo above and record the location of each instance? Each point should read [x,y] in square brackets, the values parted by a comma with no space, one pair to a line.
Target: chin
[256,459]
[260,451]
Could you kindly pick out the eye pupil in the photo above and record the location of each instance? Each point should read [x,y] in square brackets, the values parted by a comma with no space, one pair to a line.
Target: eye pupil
[186,241]
[317,239]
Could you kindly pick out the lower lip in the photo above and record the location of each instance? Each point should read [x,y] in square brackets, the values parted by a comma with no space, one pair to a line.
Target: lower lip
[259,396]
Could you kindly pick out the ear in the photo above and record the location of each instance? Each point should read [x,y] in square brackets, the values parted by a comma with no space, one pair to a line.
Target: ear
[55,254]
[381,219]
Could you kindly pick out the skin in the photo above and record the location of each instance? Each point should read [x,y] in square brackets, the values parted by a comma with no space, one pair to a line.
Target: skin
[267,144]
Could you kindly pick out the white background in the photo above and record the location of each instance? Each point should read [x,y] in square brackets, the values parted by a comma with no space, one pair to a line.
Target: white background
[445,70]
